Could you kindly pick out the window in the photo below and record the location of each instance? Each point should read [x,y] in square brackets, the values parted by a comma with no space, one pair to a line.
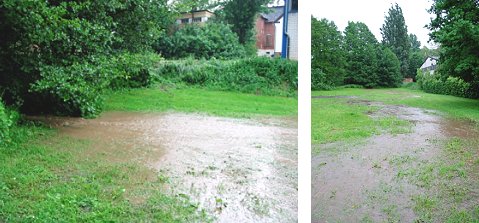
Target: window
[183,21]
[294,5]
[197,19]
[269,40]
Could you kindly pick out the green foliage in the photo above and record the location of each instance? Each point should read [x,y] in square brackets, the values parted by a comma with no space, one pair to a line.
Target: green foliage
[433,83]
[5,124]
[389,74]
[416,59]
[132,70]
[259,75]
[328,55]
[361,46]
[54,54]
[241,14]
[213,40]
[395,36]
[455,29]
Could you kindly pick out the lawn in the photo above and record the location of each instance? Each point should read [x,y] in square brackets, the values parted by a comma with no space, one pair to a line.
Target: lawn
[443,168]
[454,107]
[48,178]
[221,103]
[335,120]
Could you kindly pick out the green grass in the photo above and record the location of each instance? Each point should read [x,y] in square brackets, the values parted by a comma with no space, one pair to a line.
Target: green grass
[221,103]
[45,178]
[455,107]
[334,119]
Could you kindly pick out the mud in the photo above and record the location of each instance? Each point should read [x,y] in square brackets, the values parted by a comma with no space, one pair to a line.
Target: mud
[335,96]
[238,170]
[359,184]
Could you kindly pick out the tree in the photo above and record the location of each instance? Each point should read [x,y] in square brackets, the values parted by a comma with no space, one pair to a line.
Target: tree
[395,36]
[56,55]
[241,14]
[361,47]
[415,56]
[327,54]
[455,27]
[389,74]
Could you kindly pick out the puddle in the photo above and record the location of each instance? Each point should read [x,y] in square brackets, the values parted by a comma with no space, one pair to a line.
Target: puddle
[359,184]
[238,170]
[335,96]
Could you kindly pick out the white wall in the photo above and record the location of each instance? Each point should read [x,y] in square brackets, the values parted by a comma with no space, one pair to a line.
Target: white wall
[293,35]
[278,42]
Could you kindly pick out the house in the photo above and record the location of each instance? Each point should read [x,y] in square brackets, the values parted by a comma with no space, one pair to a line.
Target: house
[196,16]
[430,64]
[269,32]
[290,30]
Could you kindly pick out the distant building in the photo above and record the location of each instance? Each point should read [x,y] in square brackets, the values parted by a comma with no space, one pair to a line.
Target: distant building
[268,40]
[430,65]
[198,16]
[290,30]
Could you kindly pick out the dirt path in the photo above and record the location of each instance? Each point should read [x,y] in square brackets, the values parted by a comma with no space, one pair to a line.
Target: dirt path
[238,170]
[362,182]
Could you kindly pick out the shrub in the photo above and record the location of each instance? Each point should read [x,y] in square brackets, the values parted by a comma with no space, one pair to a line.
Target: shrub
[259,75]
[5,124]
[434,83]
[132,70]
[320,80]
[213,40]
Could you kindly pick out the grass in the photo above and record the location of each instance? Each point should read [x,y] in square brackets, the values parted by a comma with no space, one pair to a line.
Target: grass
[334,119]
[454,107]
[447,181]
[220,103]
[44,178]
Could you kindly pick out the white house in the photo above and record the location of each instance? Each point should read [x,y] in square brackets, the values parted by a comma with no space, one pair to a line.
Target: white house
[429,65]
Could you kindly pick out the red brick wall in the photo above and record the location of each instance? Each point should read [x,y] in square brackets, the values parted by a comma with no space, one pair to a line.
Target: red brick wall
[264,34]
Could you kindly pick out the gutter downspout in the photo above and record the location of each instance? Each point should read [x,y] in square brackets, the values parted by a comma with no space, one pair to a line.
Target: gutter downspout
[284,48]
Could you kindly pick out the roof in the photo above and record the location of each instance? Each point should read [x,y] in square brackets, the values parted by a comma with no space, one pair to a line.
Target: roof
[430,61]
[274,14]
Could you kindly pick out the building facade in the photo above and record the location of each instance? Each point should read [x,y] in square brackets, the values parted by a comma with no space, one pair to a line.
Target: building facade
[197,17]
[290,30]
[266,33]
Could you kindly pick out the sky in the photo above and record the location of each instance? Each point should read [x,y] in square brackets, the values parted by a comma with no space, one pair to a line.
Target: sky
[372,13]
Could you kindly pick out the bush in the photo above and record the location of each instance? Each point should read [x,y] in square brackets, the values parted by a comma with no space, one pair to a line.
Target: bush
[258,75]
[320,80]
[132,70]
[434,83]
[213,40]
[5,124]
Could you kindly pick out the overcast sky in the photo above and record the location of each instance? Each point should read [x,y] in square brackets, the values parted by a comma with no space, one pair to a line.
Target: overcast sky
[372,12]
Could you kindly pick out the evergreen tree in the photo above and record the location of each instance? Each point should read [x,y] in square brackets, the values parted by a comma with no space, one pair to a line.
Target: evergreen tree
[395,36]
[455,27]
[361,46]
[389,74]
[327,53]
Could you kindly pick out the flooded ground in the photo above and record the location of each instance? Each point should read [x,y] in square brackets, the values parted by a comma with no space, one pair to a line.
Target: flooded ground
[238,170]
[362,182]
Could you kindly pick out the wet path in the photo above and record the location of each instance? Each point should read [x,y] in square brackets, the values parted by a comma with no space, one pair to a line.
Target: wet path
[240,170]
[360,183]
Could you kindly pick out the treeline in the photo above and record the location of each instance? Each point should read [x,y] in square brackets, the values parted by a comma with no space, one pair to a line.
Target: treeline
[455,27]
[59,56]
[355,57]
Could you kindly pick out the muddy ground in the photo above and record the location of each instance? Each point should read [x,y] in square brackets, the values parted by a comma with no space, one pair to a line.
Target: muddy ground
[364,182]
[237,170]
